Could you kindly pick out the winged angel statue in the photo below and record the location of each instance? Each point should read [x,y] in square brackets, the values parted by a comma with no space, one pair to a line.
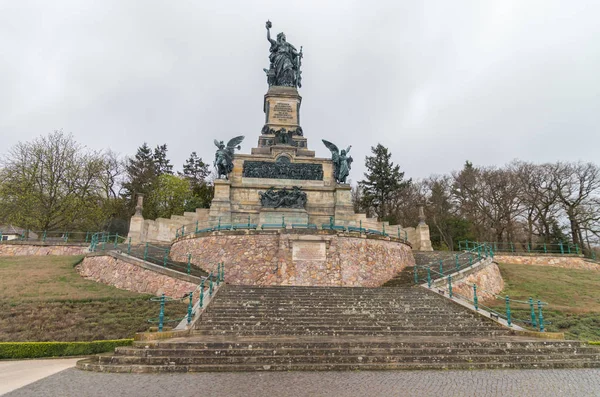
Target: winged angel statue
[224,155]
[341,161]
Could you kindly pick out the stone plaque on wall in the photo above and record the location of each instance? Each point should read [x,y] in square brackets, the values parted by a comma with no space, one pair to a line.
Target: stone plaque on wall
[309,251]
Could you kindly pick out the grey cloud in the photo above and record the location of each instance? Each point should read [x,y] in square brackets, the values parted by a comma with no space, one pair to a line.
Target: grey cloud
[438,82]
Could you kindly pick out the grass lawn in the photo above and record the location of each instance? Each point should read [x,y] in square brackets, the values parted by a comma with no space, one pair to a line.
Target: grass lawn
[42,298]
[573,297]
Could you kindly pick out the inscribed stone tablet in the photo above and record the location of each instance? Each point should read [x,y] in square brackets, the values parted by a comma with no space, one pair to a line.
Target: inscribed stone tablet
[309,251]
[283,112]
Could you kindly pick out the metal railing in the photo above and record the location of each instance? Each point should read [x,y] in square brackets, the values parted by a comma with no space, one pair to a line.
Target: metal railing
[563,248]
[204,291]
[56,236]
[535,309]
[158,255]
[247,224]
[440,268]
[444,269]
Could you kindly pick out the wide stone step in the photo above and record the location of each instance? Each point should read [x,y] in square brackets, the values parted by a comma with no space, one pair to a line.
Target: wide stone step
[344,359]
[261,308]
[369,343]
[366,326]
[342,332]
[422,295]
[426,295]
[331,302]
[403,317]
[365,320]
[356,351]
[336,292]
[94,366]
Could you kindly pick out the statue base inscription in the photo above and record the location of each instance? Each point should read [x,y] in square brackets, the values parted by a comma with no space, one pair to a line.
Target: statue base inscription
[309,251]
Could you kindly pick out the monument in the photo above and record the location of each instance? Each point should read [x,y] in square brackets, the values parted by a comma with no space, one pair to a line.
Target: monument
[281,181]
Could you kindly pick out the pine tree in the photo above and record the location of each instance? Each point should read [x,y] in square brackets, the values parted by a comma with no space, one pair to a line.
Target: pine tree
[383,180]
[140,174]
[161,162]
[196,172]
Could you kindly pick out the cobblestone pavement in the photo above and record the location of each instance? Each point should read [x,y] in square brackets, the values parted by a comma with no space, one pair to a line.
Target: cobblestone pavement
[560,382]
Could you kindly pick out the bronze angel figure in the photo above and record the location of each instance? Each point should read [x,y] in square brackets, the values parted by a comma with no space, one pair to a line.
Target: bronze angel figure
[224,155]
[341,162]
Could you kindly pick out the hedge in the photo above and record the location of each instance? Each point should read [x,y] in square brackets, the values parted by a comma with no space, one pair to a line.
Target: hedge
[594,342]
[56,349]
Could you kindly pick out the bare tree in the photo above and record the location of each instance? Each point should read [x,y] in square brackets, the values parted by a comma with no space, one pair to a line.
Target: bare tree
[577,186]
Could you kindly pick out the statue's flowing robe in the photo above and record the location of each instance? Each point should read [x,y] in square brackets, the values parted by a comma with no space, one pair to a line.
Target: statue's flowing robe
[282,58]
[344,170]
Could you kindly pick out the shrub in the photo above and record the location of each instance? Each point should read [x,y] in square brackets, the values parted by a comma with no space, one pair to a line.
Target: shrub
[56,349]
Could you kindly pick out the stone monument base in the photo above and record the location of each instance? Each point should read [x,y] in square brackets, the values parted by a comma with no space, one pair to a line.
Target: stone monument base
[297,257]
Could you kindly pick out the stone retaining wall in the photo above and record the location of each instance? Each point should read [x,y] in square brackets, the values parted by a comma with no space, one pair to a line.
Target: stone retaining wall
[297,257]
[109,270]
[485,274]
[488,279]
[30,248]
[564,261]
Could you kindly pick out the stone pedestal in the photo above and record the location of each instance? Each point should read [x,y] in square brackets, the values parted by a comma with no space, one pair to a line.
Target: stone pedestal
[220,208]
[344,210]
[282,111]
[136,223]
[279,215]
[136,229]
[422,237]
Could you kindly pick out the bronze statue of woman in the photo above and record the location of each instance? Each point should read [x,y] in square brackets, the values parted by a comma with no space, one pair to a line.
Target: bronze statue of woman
[285,61]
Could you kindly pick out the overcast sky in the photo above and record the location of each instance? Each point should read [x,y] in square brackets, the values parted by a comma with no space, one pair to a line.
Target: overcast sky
[438,82]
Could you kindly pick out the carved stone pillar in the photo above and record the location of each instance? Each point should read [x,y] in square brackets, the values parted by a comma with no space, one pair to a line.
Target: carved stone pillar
[140,205]
[220,207]
[137,231]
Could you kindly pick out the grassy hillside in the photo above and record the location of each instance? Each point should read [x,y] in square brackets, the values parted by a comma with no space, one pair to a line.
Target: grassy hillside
[573,297]
[42,298]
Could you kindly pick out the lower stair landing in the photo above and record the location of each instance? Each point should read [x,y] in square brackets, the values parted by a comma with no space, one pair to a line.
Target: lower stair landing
[307,353]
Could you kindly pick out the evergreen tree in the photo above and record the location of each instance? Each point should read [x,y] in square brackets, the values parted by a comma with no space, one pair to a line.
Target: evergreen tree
[161,162]
[196,172]
[140,175]
[383,180]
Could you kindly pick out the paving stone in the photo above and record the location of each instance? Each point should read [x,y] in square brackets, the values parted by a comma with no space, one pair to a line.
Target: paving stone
[529,383]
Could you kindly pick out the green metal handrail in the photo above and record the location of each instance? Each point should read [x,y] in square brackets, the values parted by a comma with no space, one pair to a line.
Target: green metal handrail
[444,267]
[201,293]
[53,236]
[536,322]
[562,248]
[147,252]
[197,228]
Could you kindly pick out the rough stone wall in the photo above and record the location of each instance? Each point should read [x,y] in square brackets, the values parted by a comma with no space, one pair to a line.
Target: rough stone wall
[488,280]
[564,261]
[41,249]
[128,276]
[267,258]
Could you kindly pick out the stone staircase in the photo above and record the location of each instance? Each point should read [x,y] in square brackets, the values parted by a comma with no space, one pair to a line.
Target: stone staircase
[327,328]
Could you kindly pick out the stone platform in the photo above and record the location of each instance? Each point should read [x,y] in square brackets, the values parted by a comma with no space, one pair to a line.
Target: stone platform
[297,256]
